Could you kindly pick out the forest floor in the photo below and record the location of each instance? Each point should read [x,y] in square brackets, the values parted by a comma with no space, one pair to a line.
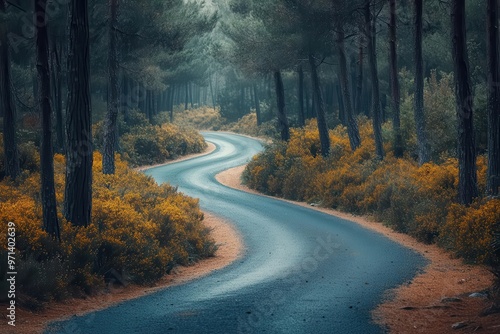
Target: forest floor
[433,301]
[225,235]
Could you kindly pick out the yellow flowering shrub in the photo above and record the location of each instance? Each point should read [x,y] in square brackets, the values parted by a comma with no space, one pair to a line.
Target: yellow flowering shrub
[139,229]
[146,144]
[469,231]
[412,199]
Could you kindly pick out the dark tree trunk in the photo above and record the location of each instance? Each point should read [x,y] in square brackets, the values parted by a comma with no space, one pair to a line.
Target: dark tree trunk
[342,115]
[324,137]
[172,95]
[352,125]
[283,127]
[372,60]
[395,93]
[307,101]
[422,146]
[57,83]
[359,81]
[493,183]
[108,151]
[11,152]
[48,193]
[467,179]
[302,118]
[257,104]
[186,102]
[78,189]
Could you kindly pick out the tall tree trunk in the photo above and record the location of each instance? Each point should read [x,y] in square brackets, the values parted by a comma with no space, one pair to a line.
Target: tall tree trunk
[307,101]
[359,80]
[48,193]
[395,92]
[324,136]
[352,125]
[283,127]
[110,136]
[493,183]
[11,152]
[56,79]
[372,60]
[257,104]
[423,150]
[172,96]
[467,179]
[302,118]
[186,102]
[78,189]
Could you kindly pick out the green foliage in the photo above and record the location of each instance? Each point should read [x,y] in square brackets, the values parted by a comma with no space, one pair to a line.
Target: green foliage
[440,115]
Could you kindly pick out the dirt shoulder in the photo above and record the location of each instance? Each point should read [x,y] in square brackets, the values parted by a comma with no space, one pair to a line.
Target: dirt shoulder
[433,301]
[230,248]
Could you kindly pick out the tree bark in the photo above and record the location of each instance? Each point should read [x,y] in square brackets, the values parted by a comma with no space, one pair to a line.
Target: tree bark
[352,125]
[11,152]
[257,104]
[302,118]
[395,91]
[283,126]
[78,189]
[57,75]
[372,60]
[48,193]
[422,146]
[110,136]
[324,136]
[493,182]
[467,179]
[359,80]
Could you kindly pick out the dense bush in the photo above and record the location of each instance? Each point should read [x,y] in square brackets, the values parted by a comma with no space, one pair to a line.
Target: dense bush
[248,125]
[204,118]
[411,199]
[139,229]
[144,144]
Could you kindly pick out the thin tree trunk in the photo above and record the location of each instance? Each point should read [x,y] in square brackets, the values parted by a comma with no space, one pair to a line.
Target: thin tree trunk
[186,102]
[422,146]
[352,125]
[283,127]
[257,104]
[359,81]
[108,152]
[324,136]
[395,92]
[302,118]
[48,193]
[372,60]
[467,179]
[493,183]
[78,189]
[172,95]
[11,152]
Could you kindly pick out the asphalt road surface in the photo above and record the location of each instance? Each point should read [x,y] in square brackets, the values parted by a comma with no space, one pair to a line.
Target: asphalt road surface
[303,271]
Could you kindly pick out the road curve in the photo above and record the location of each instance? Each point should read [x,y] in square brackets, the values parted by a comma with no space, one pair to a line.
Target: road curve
[303,271]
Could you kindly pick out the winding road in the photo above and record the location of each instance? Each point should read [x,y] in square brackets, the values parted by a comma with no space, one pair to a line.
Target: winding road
[303,271]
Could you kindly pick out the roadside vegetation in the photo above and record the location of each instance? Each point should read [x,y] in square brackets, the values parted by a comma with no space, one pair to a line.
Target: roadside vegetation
[420,200]
[142,143]
[139,231]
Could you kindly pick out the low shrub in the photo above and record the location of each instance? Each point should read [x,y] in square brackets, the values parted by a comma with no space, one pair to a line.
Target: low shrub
[417,200]
[139,231]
